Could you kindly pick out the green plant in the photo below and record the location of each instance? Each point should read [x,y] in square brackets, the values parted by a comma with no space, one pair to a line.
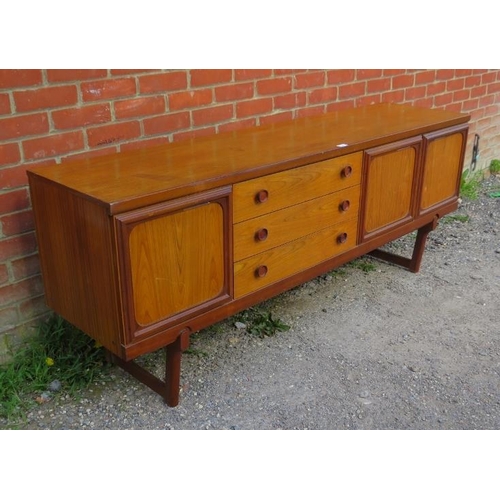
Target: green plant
[58,352]
[469,185]
[495,166]
[261,323]
[458,217]
[362,263]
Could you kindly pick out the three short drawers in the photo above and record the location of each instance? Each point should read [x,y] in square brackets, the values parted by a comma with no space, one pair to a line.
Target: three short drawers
[287,222]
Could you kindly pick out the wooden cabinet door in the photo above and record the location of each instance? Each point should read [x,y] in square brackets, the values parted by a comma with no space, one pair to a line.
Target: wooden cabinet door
[390,174]
[443,163]
[175,260]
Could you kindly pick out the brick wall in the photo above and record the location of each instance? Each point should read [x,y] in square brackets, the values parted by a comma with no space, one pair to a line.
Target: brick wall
[51,116]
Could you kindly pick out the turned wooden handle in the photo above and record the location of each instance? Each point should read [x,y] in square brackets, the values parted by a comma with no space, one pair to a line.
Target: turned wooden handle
[347,171]
[261,234]
[261,271]
[342,238]
[262,196]
[345,205]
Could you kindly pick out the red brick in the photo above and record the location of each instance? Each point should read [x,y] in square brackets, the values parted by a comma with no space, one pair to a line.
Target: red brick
[435,88]
[81,116]
[455,107]
[49,97]
[402,81]
[489,77]
[9,153]
[486,100]
[14,78]
[176,80]
[4,104]
[352,90]
[251,74]
[25,267]
[478,91]
[445,74]
[292,100]
[13,177]
[20,126]
[470,105]
[108,89]
[193,134]
[493,88]
[443,100]
[276,118]
[21,290]
[423,103]
[461,95]
[131,71]
[378,85]
[473,81]
[365,74]
[412,93]
[463,72]
[141,106]
[393,72]
[4,273]
[237,125]
[167,123]
[53,145]
[281,72]
[203,77]
[234,92]
[212,115]
[456,84]
[368,100]
[17,223]
[310,111]
[327,94]
[33,307]
[13,201]
[190,99]
[115,132]
[274,86]
[75,75]
[8,318]
[394,96]
[313,79]
[425,77]
[17,246]
[336,76]
[254,107]
[143,143]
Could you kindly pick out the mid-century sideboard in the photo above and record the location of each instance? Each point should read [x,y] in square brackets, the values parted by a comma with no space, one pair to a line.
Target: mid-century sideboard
[141,249]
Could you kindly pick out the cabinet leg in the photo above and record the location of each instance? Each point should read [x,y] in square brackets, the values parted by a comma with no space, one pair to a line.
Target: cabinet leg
[173,372]
[412,264]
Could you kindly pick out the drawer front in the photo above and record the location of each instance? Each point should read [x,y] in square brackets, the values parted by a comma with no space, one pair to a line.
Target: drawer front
[276,191]
[280,262]
[268,231]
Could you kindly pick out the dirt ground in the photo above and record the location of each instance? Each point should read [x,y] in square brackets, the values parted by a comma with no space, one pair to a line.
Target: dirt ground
[370,346]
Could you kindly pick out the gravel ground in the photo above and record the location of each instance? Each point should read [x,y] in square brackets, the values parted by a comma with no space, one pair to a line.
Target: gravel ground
[374,349]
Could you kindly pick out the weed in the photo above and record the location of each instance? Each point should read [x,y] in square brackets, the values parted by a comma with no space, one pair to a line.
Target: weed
[58,352]
[452,218]
[363,263]
[495,166]
[469,185]
[261,323]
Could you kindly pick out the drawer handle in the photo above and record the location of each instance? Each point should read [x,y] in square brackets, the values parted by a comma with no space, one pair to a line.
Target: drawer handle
[347,171]
[261,271]
[341,238]
[262,196]
[261,234]
[345,205]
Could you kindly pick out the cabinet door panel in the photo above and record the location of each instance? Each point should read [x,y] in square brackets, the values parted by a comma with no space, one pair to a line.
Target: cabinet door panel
[175,260]
[442,168]
[389,185]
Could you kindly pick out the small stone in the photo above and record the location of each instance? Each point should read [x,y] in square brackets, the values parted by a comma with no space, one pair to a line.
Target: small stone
[364,394]
[240,325]
[55,386]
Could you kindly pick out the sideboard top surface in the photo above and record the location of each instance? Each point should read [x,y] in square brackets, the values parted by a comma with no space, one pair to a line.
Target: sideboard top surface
[134,179]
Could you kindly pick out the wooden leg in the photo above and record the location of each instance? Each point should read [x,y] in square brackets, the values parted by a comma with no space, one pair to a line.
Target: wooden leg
[412,264]
[169,388]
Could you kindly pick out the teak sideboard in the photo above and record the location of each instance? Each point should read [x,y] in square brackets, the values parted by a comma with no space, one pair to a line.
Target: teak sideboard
[141,249]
